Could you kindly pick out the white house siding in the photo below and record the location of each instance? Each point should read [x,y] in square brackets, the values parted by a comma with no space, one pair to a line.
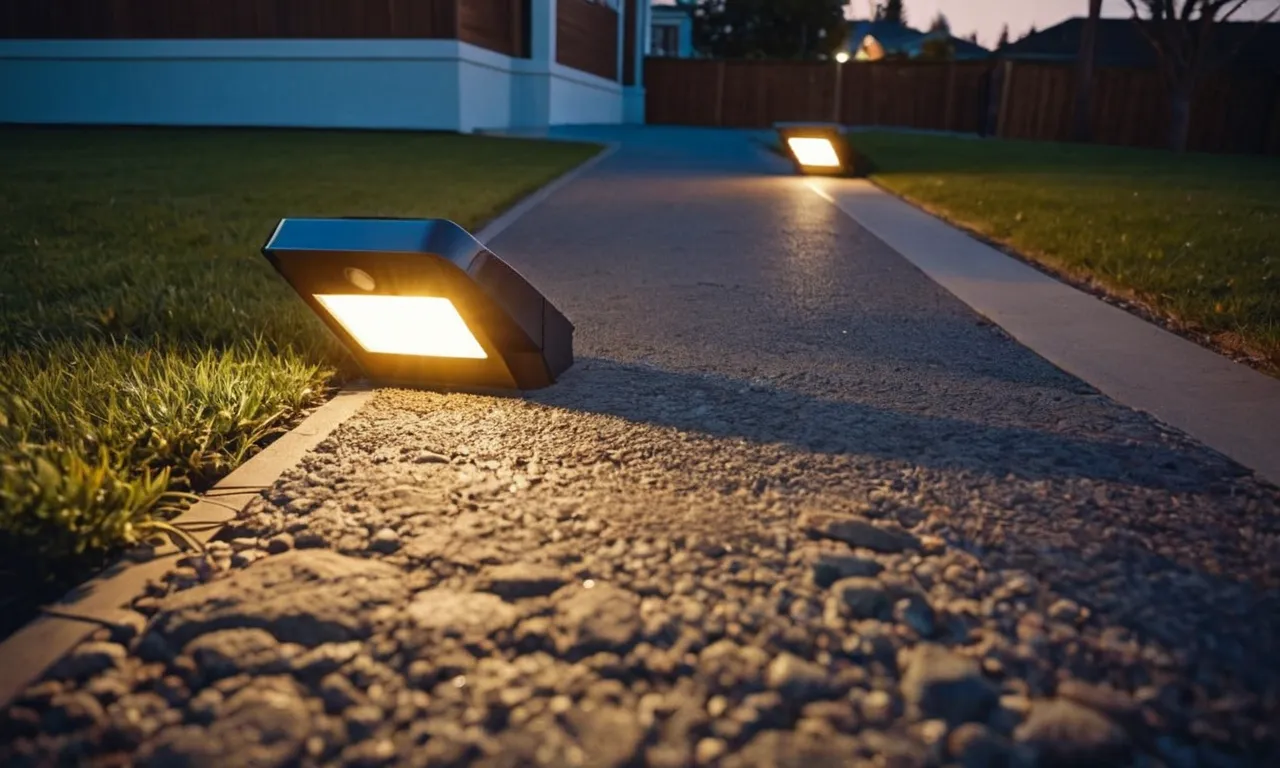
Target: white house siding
[400,84]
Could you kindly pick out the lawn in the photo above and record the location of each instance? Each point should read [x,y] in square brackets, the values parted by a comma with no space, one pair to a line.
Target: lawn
[146,348]
[1193,239]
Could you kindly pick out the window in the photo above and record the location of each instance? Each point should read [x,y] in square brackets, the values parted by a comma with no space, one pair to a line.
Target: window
[666,40]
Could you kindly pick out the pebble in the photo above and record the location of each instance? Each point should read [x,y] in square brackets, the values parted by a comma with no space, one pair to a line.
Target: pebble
[974,745]
[71,711]
[1064,733]
[831,567]
[797,679]
[940,683]
[281,542]
[88,659]
[859,533]
[385,541]
[517,581]
[861,598]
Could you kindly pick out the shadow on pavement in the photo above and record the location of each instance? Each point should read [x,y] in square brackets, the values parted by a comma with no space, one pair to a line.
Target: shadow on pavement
[722,407]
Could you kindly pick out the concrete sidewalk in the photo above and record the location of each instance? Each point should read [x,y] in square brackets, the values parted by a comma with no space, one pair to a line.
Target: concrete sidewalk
[795,505]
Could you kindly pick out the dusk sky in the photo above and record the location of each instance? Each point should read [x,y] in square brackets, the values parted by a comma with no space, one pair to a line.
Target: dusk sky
[986,17]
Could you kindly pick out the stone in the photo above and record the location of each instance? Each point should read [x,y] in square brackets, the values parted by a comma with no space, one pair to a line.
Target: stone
[264,724]
[323,659]
[307,597]
[457,613]
[795,749]
[602,618]
[877,708]
[609,736]
[206,705]
[127,626]
[729,664]
[280,543]
[72,710]
[1065,733]
[385,541]
[338,693]
[797,679]
[939,683]
[917,614]
[363,720]
[521,580]
[1065,610]
[862,598]
[709,750]
[368,754]
[974,745]
[228,652]
[88,659]
[859,533]
[831,567]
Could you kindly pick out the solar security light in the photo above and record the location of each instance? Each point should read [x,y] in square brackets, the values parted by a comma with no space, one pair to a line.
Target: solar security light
[421,302]
[816,148]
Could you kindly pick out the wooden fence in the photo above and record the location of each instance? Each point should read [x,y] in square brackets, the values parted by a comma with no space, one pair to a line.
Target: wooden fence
[1004,99]
[498,25]
[587,37]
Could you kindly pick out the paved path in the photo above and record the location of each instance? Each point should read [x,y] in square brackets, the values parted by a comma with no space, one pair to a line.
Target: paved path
[795,505]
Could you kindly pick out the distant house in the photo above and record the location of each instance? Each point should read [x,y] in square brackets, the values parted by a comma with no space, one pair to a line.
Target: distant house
[1122,44]
[876,40]
[455,65]
[671,30]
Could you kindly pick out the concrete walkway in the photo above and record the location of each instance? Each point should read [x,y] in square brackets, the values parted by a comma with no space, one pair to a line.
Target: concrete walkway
[795,505]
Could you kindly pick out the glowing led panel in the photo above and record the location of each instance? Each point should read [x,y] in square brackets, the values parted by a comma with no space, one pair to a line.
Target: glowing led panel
[428,326]
[420,302]
[814,152]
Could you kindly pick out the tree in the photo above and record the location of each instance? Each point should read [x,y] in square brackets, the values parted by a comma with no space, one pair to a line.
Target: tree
[894,12]
[1084,73]
[1004,37]
[1182,32]
[781,29]
[940,24]
[937,48]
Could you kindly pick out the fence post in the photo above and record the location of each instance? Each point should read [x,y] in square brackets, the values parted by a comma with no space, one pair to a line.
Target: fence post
[949,116]
[720,92]
[1006,81]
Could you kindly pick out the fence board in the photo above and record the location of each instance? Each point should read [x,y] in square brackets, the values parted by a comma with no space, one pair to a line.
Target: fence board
[1239,113]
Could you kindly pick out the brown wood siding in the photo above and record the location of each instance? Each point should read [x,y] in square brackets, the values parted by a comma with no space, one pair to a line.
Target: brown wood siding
[214,19]
[587,37]
[494,24]
[1131,107]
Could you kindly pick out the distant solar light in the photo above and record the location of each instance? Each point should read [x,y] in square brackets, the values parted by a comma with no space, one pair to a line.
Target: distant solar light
[842,57]
[816,148]
[422,302]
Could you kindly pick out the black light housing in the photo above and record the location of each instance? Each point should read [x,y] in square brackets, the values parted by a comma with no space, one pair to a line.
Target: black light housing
[817,148]
[421,302]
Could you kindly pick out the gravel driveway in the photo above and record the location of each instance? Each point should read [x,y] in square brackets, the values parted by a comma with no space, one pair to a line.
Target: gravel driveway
[795,505]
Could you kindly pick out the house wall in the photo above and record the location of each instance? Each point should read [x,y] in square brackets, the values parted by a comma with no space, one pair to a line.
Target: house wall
[379,84]
[303,83]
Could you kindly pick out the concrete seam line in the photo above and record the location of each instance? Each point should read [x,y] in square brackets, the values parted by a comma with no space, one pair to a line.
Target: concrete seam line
[32,650]
[512,214]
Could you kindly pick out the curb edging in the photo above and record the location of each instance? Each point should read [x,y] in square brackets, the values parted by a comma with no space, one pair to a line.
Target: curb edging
[100,601]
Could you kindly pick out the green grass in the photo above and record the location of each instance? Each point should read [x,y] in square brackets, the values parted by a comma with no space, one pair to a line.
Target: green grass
[1192,238]
[146,348]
